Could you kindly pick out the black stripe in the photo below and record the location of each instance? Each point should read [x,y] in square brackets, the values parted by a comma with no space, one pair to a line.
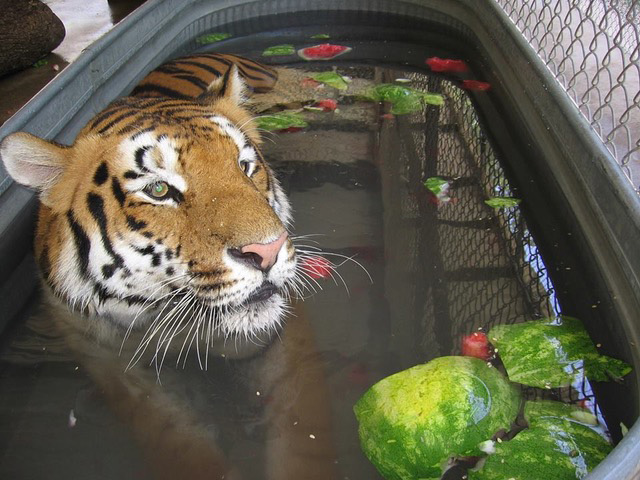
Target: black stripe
[148,250]
[83,245]
[131,175]
[108,271]
[117,120]
[155,88]
[101,175]
[169,68]
[196,81]
[104,295]
[139,157]
[117,191]
[206,67]
[135,224]
[246,64]
[112,110]
[225,83]
[96,207]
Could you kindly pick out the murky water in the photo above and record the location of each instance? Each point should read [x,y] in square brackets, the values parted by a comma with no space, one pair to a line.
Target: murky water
[416,274]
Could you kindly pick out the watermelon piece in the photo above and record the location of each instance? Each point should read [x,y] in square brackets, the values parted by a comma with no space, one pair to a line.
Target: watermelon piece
[281,121]
[552,352]
[316,266]
[537,411]
[436,184]
[446,65]
[476,85]
[476,345]
[327,105]
[439,188]
[212,38]
[325,51]
[332,79]
[279,50]
[403,99]
[413,421]
[556,446]
[502,202]
[309,82]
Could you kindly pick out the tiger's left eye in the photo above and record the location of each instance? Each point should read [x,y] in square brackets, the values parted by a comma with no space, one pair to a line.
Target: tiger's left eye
[247,167]
[157,190]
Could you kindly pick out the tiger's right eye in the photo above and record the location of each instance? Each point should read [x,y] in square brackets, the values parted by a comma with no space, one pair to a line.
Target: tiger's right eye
[157,190]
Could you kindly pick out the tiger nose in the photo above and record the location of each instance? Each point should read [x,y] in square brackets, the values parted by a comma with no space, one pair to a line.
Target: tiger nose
[259,255]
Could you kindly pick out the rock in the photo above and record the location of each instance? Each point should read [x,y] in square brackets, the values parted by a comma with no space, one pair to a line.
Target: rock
[29,30]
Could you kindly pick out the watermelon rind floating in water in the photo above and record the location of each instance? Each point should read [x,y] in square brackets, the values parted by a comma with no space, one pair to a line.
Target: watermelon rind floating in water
[552,352]
[411,422]
[212,38]
[561,443]
[402,99]
[331,79]
[281,121]
[279,50]
[502,202]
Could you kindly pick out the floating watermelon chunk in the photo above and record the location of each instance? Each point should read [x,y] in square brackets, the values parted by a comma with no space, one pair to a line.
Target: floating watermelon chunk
[325,51]
[278,50]
[446,65]
[476,345]
[411,422]
[332,79]
[212,38]
[281,121]
[316,266]
[476,85]
[327,105]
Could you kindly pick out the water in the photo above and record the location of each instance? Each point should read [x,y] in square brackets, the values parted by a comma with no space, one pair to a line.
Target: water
[428,273]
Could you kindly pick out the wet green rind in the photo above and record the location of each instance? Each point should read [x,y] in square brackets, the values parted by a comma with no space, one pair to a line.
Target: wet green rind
[277,50]
[332,79]
[403,99]
[280,121]
[542,410]
[554,447]
[212,38]
[551,352]
[435,184]
[502,202]
[410,422]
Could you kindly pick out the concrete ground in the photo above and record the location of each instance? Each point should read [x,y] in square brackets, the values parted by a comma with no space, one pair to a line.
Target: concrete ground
[85,21]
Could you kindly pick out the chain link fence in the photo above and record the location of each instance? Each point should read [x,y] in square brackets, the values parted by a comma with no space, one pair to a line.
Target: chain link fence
[592,48]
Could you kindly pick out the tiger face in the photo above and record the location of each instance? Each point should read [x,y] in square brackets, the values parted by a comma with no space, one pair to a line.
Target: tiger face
[162,215]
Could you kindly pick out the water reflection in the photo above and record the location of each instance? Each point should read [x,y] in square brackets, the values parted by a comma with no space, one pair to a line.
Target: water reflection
[241,418]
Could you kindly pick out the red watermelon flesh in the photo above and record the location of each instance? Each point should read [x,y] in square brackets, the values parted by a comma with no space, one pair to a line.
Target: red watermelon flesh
[325,51]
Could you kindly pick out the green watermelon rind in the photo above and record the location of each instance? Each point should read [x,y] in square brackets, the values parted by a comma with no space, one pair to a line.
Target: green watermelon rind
[552,352]
[280,121]
[555,446]
[408,439]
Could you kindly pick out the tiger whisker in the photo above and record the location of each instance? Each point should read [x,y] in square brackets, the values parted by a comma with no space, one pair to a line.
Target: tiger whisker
[166,339]
[158,323]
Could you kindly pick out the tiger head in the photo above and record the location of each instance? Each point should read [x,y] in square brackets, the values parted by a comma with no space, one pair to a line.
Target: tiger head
[162,214]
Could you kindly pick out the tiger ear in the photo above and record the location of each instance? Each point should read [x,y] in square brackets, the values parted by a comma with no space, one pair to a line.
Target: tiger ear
[230,86]
[33,162]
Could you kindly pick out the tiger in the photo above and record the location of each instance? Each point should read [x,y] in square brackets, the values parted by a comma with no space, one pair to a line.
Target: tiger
[163,224]
[162,199]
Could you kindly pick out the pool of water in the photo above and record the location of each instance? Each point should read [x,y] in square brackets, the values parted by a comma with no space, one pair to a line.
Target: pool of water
[416,274]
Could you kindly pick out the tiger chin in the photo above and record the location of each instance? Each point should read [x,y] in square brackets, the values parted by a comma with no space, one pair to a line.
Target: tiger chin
[163,220]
